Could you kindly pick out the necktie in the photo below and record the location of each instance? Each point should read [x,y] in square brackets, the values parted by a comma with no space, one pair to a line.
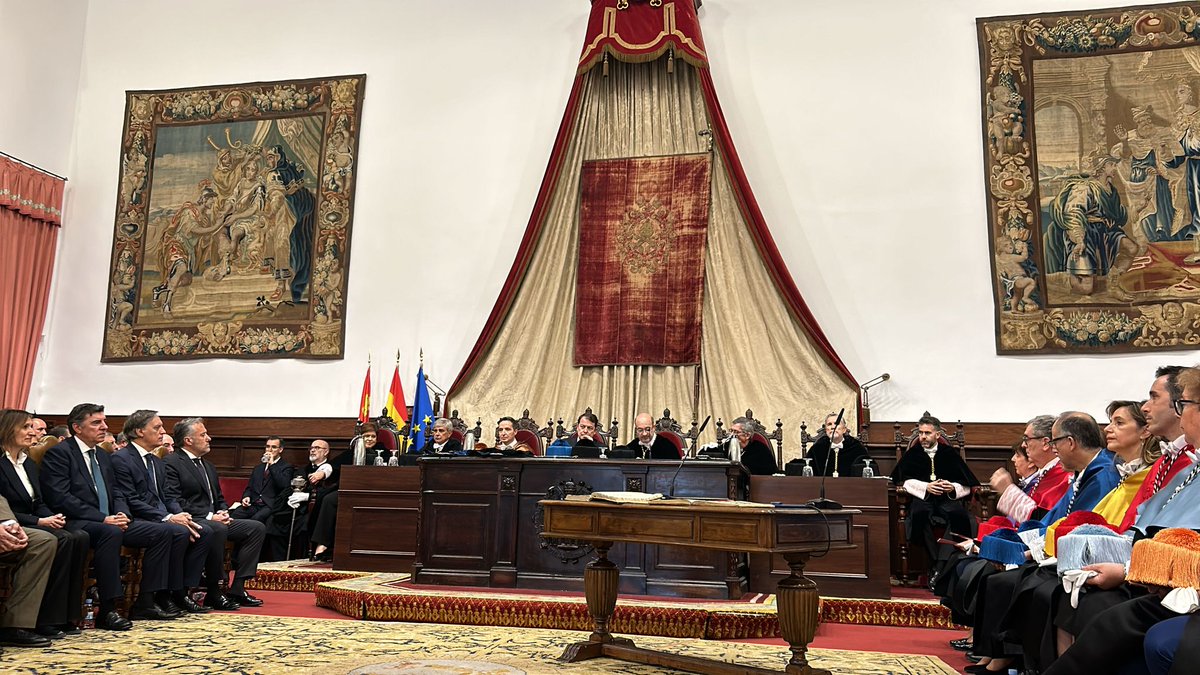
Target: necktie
[150,473]
[98,481]
[207,484]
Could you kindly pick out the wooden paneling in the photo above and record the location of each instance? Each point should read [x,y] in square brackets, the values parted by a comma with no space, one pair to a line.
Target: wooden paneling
[377,518]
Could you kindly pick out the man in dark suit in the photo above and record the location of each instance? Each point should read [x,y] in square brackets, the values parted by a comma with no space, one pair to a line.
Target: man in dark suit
[193,482]
[78,481]
[440,442]
[647,443]
[265,496]
[142,477]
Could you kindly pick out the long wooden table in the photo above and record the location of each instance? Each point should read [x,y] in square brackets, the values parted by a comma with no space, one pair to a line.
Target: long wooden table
[795,533]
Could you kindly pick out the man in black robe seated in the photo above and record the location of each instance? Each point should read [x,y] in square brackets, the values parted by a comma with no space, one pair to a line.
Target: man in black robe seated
[439,442]
[835,453]
[940,483]
[506,439]
[646,444]
[585,443]
[756,455]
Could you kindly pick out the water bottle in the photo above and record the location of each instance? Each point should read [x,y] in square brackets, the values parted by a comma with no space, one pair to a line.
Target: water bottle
[807,471]
[89,615]
[868,472]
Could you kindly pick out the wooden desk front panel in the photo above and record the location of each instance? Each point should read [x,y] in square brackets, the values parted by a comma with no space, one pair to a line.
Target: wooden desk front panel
[377,518]
[513,487]
[861,572]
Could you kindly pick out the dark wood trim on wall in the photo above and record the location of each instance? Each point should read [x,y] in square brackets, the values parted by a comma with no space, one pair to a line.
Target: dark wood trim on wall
[988,444]
[237,442]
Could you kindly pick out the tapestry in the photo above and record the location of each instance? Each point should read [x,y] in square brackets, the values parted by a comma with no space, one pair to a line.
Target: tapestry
[1091,133]
[232,235]
[642,230]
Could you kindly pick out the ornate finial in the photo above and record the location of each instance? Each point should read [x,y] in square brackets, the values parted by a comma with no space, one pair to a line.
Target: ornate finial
[397,357]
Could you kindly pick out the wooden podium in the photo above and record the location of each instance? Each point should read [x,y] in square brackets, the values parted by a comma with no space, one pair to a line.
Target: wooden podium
[794,532]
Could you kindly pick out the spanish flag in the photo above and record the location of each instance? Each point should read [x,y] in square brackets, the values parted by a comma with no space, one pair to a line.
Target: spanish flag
[396,408]
[364,403]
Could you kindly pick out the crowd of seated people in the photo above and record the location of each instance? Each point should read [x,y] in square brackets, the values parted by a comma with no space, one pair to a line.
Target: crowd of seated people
[60,498]
[1093,566]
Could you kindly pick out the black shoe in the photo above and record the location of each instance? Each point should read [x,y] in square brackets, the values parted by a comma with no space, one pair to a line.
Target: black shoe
[151,613]
[975,669]
[972,657]
[220,602]
[168,605]
[187,604]
[69,629]
[19,637]
[50,632]
[113,620]
[245,599]
[963,645]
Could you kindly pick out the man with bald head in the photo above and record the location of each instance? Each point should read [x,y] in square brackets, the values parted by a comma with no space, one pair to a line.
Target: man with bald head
[647,443]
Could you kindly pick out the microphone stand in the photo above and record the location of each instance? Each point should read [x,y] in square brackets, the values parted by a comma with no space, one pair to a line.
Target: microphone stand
[682,459]
[821,502]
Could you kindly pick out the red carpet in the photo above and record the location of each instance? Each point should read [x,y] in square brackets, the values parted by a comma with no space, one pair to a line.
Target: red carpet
[928,641]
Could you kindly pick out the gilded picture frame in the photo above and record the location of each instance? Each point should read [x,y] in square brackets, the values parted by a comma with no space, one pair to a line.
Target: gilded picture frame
[233,219]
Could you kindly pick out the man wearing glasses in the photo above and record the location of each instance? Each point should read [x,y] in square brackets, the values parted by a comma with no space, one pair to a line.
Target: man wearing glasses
[756,455]
[647,444]
[1044,488]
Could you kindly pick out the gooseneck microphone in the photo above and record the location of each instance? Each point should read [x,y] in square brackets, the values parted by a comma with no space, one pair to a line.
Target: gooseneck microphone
[821,502]
[683,458]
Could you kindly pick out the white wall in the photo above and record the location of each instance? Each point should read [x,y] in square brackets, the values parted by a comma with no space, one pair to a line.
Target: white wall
[857,122]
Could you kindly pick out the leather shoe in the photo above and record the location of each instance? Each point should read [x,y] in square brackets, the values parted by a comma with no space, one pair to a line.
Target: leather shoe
[245,599]
[976,669]
[187,604]
[963,645]
[19,637]
[113,621]
[220,602]
[151,613]
[50,632]
[973,657]
[68,629]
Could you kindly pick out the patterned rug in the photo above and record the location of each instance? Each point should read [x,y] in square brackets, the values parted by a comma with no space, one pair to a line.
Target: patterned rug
[229,643]
[389,597]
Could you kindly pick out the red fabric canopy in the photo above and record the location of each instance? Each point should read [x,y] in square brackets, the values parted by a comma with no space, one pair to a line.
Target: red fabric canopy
[30,192]
[638,33]
[642,32]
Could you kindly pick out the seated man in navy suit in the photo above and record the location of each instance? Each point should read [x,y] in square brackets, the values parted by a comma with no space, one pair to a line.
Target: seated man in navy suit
[142,478]
[193,482]
[78,481]
[265,497]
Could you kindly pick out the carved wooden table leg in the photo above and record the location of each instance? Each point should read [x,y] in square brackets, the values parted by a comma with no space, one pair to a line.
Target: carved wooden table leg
[797,606]
[601,578]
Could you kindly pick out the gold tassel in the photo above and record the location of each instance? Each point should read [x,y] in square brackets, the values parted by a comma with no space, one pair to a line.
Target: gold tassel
[604,69]
[1171,558]
[671,60]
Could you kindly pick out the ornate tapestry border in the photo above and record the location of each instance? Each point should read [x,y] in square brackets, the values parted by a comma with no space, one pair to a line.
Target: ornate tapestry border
[1102,286]
[250,261]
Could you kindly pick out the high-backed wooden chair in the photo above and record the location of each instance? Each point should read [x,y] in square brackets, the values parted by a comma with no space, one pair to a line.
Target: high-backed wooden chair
[668,428]
[459,430]
[529,434]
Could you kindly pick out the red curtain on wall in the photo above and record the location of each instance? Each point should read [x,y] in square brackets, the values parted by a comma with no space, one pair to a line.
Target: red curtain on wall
[30,215]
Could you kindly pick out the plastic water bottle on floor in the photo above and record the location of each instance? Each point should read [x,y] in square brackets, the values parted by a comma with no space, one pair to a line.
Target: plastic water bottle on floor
[89,615]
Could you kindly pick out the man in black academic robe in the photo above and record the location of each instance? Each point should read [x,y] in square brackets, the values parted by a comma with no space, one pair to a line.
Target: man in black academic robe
[834,451]
[940,483]
[440,442]
[756,455]
[646,443]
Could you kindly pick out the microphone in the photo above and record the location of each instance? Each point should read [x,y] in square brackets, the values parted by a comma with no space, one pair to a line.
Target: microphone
[682,459]
[821,502]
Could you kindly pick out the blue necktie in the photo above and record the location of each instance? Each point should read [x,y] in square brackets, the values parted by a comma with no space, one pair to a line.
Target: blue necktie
[98,480]
[153,481]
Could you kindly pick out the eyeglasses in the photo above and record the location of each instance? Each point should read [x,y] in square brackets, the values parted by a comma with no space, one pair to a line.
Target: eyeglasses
[1026,439]
[1054,441]
[740,434]
[1179,403]
[643,429]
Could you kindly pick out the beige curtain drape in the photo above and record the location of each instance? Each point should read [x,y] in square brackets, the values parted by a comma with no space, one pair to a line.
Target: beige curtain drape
[755,355]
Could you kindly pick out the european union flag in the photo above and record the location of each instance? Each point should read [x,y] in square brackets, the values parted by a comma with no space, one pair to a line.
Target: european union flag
[422,417]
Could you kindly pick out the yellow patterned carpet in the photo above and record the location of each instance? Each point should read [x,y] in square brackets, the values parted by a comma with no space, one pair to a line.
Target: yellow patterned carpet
[228,643]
